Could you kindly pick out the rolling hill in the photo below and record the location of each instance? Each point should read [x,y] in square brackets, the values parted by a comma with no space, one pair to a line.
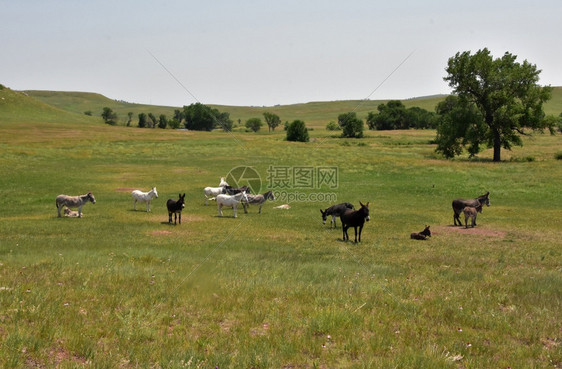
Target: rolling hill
[315,114]
[21,107]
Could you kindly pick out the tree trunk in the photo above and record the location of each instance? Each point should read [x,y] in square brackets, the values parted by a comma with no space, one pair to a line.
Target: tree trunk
[497,146]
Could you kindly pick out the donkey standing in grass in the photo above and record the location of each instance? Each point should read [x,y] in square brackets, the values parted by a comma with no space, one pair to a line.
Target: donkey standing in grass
[74,202]
[175,207]
[470,213]
[147,197]
[421,235]
[459,205]
[354,218]
[335,211]
[231,201]
[258,200]
[214,191]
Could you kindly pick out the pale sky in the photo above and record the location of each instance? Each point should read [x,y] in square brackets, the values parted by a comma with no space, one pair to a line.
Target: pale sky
[258,53]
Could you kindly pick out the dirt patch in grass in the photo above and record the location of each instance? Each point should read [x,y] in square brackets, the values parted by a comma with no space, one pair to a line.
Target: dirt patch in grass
[478,231]
[124,189]
[160,233]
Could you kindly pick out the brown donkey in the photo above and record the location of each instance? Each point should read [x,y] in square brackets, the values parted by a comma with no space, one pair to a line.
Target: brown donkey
[354,218]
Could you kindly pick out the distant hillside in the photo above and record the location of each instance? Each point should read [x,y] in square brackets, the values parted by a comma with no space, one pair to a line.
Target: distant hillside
[81,102]
[20,107]
[315,114]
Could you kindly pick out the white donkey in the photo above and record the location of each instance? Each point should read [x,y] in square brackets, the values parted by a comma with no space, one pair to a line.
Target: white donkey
[231,201]
[144,197]
[74,202]
[214,191]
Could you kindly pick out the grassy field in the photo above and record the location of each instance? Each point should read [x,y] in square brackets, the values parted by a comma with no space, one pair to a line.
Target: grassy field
[124,289]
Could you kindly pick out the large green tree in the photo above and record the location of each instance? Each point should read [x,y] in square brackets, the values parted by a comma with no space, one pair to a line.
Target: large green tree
[109,116]
[200,117]
[272,120]
[505,92]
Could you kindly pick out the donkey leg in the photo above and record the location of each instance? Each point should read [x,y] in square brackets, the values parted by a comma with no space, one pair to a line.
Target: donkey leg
[457,219]
[334,222]
[147,206]
[360,230]
[234,210]
[80,211]
[355,229]
[220,210]
[135,204]
[179,216]
[59,207]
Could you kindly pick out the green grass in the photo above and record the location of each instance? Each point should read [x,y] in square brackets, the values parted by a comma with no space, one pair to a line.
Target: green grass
[123,289]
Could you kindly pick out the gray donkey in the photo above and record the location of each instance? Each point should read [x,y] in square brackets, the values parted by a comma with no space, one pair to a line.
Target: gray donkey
[459,205]
[335,211]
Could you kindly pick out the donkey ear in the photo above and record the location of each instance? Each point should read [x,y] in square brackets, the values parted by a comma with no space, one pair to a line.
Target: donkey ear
[360,203]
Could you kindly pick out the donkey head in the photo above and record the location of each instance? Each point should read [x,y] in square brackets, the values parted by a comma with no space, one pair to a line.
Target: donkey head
[365,210]
[181,201]
[324,216]
[154,192]
[91,198]
[485,199]
[426,231]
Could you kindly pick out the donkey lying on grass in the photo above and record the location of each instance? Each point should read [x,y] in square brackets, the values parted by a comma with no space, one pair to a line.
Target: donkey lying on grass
[421,235]
[74,202]
[70,213]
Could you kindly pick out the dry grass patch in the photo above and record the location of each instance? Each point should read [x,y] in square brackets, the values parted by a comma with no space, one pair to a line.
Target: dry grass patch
[477,231]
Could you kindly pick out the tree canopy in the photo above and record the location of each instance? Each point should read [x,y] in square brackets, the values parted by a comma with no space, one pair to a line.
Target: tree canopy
[254,124]
[394,115]
[352,127]
[297,131]
[200,117]
[272,120]
[506,95]
[109,116]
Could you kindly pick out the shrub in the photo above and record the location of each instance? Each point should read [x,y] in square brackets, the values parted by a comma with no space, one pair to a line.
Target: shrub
[333,126]
[254,124]
[351,125]
[297,131]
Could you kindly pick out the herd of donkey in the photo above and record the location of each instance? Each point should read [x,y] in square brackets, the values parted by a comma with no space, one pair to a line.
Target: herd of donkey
[228,196]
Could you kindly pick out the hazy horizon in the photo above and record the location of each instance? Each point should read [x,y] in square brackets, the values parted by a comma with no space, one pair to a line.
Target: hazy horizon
[263,54]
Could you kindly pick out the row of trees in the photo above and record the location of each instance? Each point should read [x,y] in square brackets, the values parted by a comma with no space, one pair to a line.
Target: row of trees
[494,103]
